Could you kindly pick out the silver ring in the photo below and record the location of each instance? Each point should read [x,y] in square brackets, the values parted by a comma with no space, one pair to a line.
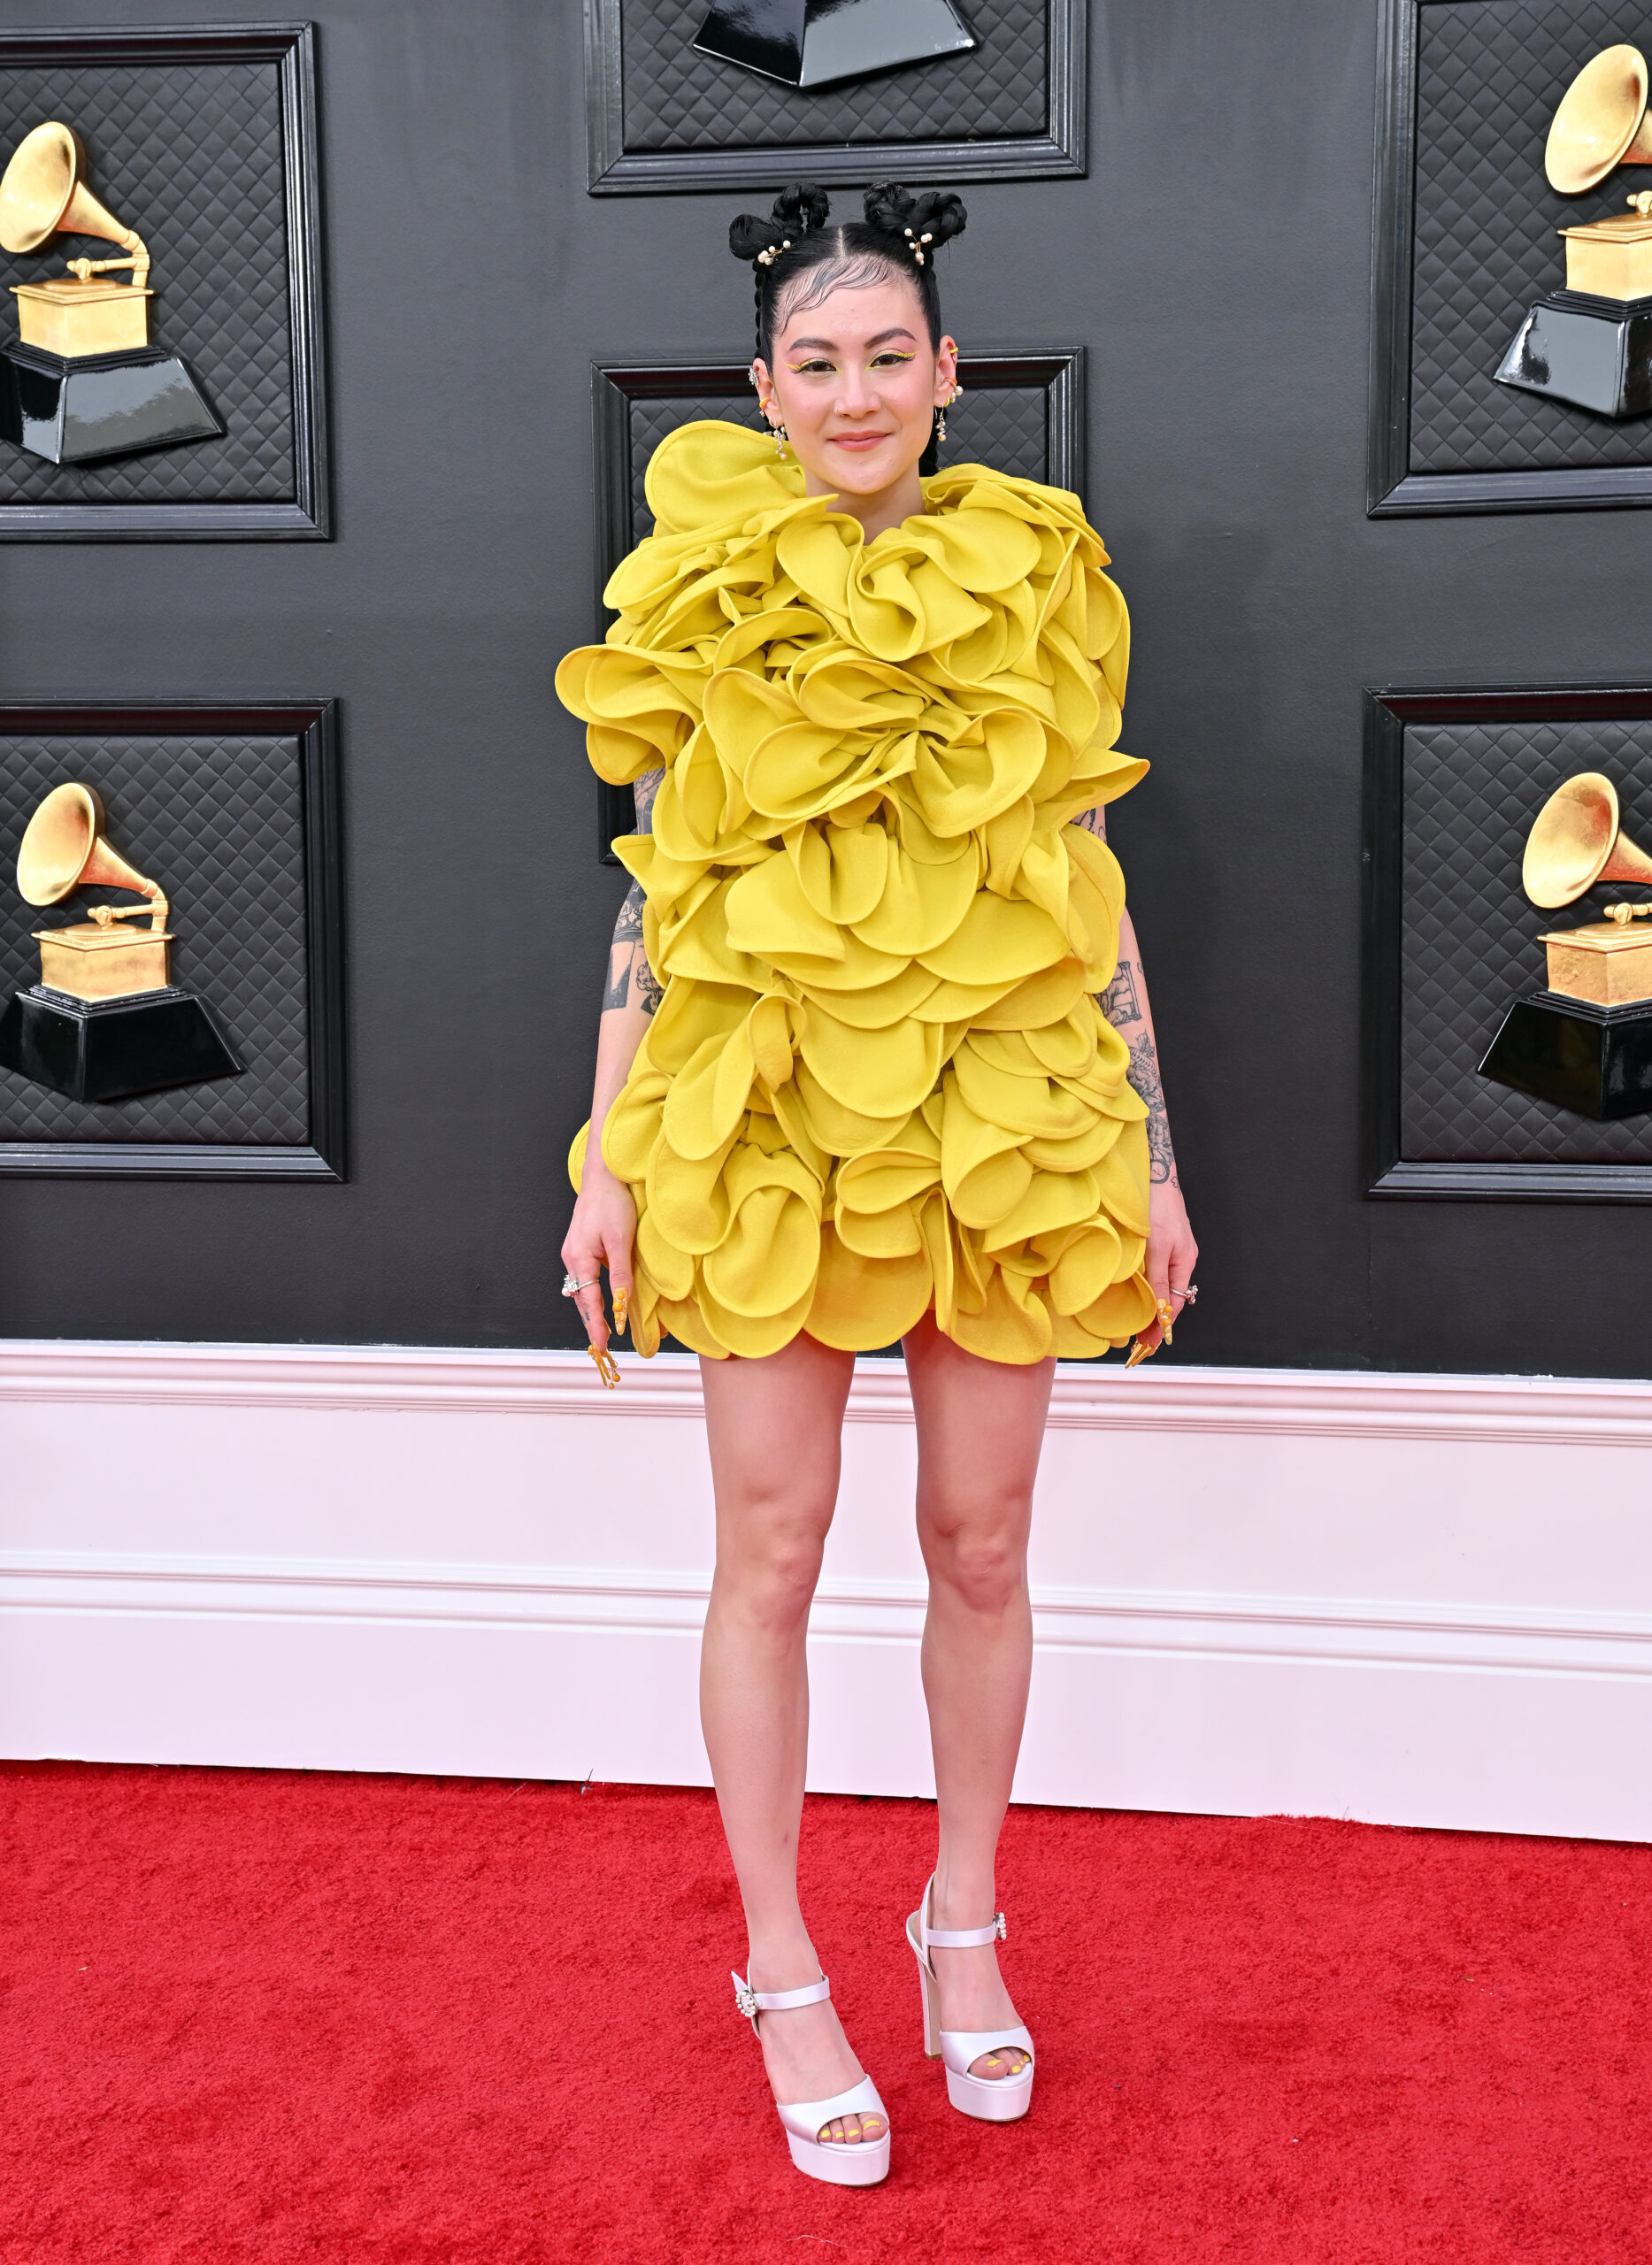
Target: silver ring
[569,1286]
[1188,1294]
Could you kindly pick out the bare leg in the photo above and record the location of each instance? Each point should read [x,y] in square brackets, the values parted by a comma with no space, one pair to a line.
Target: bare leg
[775,1430]
[981,1426]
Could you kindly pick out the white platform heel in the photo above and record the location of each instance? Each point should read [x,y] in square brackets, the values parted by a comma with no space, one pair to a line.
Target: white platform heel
[999,2101]
[840,2163]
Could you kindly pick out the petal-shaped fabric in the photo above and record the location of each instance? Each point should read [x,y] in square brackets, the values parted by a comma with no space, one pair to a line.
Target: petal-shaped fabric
[878,1084]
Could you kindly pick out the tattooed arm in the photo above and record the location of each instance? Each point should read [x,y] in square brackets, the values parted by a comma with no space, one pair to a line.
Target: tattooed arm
[629,975]
[1172,1251]
[604,1216]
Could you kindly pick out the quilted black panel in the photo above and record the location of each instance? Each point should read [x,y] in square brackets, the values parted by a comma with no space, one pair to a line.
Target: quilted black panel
[1489,75]
[1006,427]
[677,100]
[189,155]
[219,824]
[1469,936]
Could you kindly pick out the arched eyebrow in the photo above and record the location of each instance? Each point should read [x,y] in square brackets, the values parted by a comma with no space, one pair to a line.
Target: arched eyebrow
[830,345]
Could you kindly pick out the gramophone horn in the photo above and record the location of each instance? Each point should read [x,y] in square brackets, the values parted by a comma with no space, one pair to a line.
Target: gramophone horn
[1576,840]
[1601,122]
[43,194]
[64,848]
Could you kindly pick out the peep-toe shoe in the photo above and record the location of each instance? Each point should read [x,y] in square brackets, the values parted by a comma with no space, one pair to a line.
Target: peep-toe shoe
[841,2163]
[993,2102]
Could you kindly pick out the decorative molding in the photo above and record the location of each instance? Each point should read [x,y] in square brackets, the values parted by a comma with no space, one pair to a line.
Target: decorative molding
[291,47]
[613,1600]
[1415,1599]
[314,724]
[1239,1403]
[1059,153]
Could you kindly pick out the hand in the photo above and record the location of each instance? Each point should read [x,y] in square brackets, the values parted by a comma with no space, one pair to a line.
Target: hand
[1172,1255]
[600,1233]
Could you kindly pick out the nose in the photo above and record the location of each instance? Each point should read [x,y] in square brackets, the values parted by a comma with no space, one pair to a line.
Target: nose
[856,396]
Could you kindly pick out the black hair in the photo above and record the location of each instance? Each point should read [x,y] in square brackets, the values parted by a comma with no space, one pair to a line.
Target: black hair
[798,258]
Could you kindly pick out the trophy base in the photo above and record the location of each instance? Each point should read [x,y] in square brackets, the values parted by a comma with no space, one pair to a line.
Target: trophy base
[808,44]
[1595,1061]
[75,410]
[105,1050]
[1594,353]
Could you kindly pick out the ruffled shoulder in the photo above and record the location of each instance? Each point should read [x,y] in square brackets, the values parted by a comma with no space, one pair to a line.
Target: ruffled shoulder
[709,473]
[743,610]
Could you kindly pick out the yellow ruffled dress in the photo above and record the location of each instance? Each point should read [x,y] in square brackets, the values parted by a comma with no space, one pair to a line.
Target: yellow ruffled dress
[879,1081]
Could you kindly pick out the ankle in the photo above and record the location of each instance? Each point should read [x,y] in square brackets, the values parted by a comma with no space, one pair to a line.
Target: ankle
[781,1962]
[963,1899]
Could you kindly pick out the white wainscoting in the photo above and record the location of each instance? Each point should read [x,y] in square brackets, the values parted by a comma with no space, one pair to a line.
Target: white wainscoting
[1412,1600]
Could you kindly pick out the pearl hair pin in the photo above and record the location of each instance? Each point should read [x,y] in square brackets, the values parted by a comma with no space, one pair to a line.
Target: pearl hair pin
[767,258]
[917,243]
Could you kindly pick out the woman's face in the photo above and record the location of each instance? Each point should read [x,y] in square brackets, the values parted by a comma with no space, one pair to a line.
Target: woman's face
[856,384]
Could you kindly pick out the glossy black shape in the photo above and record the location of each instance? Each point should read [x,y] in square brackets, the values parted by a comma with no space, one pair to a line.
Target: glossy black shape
[105,1050]
[809,44]
[762,36]
[1597,1061]
[1594,353]
[99,405]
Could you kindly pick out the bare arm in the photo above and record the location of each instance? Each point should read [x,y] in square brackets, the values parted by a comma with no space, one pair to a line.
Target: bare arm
[1172,1251]
[605,1217]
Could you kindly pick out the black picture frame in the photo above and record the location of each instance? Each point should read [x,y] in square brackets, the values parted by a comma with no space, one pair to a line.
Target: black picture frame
[616,386]
[1389,710]
[315,725]
[1393,489]
[308,516]
[1059,153]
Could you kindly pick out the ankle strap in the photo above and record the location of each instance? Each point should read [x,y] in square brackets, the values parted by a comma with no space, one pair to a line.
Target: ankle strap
[966,1937]
[752,2003]
[954,1937]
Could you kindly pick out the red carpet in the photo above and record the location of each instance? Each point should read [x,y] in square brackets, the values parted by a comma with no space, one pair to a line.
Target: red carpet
[272,2016]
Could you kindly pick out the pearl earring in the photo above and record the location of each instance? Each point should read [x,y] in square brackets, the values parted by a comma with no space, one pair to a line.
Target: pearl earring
[779,438]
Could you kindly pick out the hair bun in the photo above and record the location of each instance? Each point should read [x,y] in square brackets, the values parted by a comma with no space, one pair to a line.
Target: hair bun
[797,210]
[803,206]
[936,213]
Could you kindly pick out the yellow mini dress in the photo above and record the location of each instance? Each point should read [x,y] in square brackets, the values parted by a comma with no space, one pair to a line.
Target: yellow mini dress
[878,1083]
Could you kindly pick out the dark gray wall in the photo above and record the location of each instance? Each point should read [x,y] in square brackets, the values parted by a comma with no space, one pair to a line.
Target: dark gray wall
[1215,263]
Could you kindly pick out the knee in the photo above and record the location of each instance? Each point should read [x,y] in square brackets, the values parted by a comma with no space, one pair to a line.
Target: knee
[983,1562]
[768,1577]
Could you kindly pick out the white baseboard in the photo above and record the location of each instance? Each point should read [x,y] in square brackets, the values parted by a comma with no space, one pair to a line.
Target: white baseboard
[1406,1598]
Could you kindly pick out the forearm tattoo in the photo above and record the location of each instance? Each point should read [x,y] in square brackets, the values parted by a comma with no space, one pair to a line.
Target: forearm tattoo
[628,967]
[1118,1003]
[1121,1003]
[1145,1078]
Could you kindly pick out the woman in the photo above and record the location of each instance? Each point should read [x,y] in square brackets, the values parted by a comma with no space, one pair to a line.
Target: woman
[875,1062]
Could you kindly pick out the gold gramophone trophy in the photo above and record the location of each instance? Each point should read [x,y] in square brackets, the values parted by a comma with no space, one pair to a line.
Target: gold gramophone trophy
[105,1019]
[1591,344]
[83,380]
[1585,1041]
